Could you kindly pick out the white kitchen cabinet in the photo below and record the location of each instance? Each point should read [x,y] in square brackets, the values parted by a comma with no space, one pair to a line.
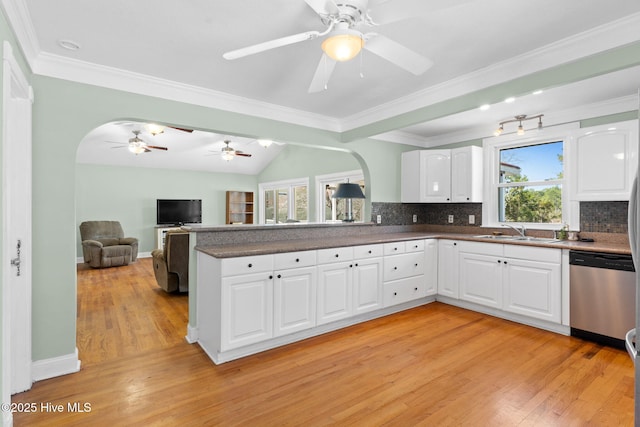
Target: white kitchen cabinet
[247,309]
[367,285]
[442,176]
[335,284]
[448,268]
[431,266]
[294,300]
[604,160]
[480,279]
[533,289]
[404,272]
[514,278]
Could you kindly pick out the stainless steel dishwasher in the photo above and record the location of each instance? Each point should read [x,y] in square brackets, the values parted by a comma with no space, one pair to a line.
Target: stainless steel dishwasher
[602,296]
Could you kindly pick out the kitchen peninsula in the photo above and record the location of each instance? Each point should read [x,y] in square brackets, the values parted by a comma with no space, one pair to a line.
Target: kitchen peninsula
[260,287]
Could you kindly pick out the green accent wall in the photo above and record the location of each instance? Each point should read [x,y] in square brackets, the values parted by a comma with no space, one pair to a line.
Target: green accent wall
[129,194]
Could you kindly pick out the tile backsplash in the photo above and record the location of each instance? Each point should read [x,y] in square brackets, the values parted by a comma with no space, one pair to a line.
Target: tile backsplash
[596,217]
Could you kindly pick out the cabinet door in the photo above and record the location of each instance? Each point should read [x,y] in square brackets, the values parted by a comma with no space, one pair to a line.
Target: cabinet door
[294,300]
[533,289]
[367,285]
[605,159]
[435,176]
[431,266]
[246,309]
[466,174]
[334,291]
[481,279]
[410,179]
[448,268]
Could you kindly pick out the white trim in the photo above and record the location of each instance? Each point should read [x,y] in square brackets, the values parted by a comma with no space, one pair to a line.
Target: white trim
[55,366]
[80,260]
[192,334]
[19,19]
[491,149]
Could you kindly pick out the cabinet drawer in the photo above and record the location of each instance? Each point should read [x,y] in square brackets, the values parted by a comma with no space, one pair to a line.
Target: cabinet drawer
[246,265]
[403,290]
[367,251]
[533,254]
[495,249]
[288,260]
[414,245]
[403,265]
[335,255]
[394,248]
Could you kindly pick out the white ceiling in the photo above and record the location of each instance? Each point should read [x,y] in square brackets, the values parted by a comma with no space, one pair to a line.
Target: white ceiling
[474,44]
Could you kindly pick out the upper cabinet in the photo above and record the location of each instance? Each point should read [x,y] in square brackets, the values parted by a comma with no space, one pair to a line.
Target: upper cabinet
[604,161]
[442,176]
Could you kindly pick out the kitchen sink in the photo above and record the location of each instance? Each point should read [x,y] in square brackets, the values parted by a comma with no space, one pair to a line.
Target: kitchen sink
[518,238]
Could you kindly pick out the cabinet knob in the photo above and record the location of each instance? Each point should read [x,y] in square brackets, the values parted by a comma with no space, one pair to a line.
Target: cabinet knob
[454,244]
[250,265]
[415,289]
[416,264]
[499,261]
[337,255]
[447,199]
[270,277]
[356,264]
[350,265]
[395,268]
[297,259]
[467,198]
[279,276]
[369,251]
[505,263]
[395,293]
[395,249]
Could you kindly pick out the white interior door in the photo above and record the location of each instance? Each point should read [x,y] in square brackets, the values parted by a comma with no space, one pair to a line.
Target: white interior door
[16,227]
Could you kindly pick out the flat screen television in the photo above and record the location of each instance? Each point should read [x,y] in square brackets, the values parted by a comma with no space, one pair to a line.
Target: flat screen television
[178,212]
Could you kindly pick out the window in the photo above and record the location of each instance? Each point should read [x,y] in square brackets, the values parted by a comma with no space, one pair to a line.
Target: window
[333,210]
[524,180]
[530,183]
[284,201]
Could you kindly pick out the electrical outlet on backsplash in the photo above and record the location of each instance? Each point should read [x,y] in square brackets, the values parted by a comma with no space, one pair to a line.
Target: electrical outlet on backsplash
[595,217]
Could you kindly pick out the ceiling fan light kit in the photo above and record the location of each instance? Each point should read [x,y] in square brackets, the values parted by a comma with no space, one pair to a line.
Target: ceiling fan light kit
[343,44]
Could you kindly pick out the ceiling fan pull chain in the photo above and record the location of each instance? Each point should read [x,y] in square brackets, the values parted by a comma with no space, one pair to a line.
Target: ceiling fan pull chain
[361,67]
[326,80]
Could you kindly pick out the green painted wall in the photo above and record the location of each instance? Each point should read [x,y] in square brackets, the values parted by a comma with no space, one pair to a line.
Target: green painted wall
[64,112]
[128,195]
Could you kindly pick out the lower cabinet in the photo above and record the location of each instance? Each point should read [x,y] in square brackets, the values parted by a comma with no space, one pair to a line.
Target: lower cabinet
[294,304]
[517,279]
[367,285]
[335,291]
[246,310]
[448,268]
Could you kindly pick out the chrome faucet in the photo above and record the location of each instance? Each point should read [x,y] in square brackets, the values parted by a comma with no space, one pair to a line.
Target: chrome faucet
[521,230]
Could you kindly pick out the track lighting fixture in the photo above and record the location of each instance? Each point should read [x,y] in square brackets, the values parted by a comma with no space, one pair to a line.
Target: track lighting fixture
[519,118]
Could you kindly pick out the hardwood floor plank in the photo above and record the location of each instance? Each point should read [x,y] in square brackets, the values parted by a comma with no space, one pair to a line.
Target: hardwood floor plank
[435,365]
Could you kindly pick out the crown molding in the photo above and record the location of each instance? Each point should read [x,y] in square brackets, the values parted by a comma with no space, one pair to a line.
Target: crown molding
[598,109]
[609,36]
[19,19]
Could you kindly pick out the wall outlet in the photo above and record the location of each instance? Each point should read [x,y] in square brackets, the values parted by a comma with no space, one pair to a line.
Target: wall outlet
[472,219]
[379,219]
[450,219]
[415,218]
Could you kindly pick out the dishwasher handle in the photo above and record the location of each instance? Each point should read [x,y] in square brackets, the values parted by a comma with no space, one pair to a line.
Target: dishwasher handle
[629,341]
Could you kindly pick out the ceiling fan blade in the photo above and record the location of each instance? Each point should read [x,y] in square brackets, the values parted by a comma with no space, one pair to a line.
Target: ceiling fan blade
[242,154]
[157,147]
[323,7]
[271,44]
[182,129]
[398,54]
[397,10]
[322,75]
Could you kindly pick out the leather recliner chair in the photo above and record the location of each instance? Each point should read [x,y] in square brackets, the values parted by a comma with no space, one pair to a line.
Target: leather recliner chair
[104,244]
[171,264]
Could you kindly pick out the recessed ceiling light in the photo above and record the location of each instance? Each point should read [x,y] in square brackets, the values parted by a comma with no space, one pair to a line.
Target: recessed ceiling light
[68,44]
[485,107]
[537,92]
[510,100]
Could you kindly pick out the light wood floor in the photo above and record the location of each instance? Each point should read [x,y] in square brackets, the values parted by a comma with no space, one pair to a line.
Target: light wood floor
[435,365]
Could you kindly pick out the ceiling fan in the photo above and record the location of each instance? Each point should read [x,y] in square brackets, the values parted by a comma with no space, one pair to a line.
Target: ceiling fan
[344,20]
[229,153]
[137,145]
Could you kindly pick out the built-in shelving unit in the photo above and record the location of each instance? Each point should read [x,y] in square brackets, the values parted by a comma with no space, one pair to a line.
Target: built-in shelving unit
[239,207]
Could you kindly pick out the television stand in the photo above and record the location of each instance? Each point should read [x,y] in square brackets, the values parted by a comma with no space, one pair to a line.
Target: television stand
[161,232]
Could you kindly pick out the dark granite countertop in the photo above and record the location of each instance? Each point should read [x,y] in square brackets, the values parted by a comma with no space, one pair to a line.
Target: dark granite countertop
[294,245]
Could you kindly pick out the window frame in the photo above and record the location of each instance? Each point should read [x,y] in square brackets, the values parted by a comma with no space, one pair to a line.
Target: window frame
[290,184]
[491,149]
[322,180]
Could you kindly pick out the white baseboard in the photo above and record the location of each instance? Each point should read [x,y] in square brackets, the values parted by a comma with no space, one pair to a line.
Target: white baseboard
[55,367]
[7,419]
[192,334]
[140,255]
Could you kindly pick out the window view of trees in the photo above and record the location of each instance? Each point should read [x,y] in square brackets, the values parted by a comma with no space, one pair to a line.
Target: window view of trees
[530,186]
[286,204]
